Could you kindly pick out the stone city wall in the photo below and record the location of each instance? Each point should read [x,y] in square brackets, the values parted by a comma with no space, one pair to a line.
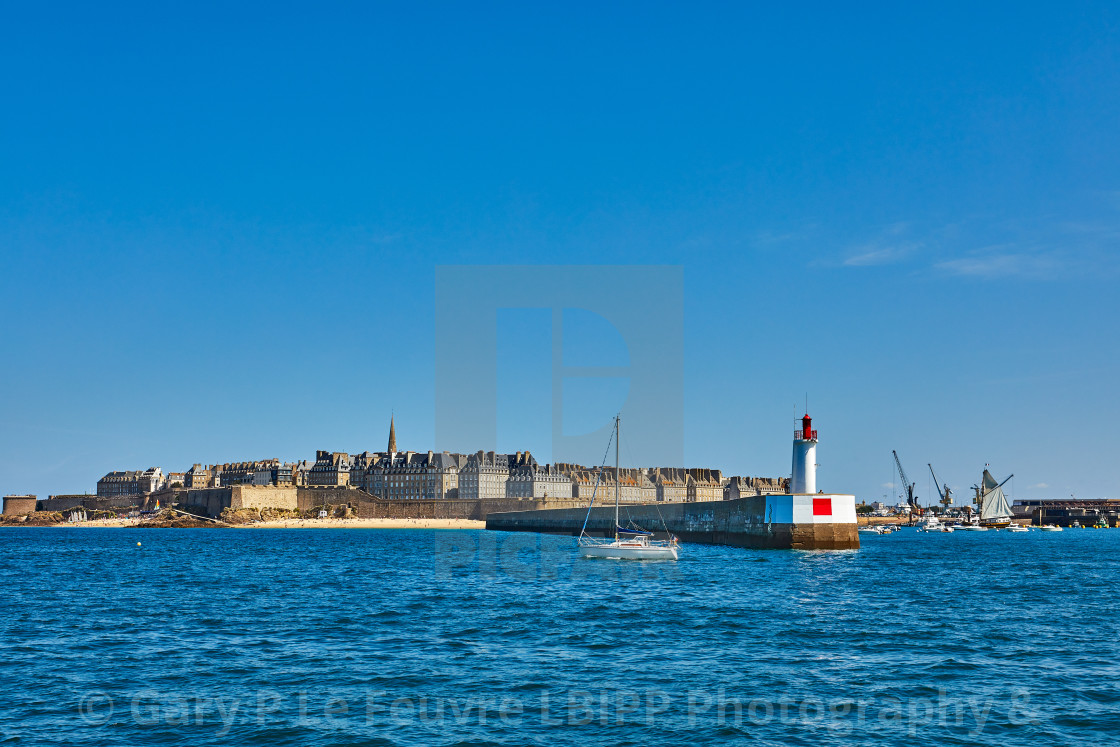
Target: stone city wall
[477,509]
[310,498]
[210,500]
[62,502]
[89,502]
[17,505]
[261,496]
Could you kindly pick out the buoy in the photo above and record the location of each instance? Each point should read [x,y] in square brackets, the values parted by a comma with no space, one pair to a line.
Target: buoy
[138,544]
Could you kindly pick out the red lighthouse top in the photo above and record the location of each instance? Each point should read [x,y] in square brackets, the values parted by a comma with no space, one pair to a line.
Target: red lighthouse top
[806,433]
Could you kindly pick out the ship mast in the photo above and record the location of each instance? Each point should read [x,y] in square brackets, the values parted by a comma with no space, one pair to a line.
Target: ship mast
[616,480]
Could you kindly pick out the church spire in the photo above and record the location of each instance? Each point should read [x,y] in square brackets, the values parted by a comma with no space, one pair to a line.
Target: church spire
[392,437]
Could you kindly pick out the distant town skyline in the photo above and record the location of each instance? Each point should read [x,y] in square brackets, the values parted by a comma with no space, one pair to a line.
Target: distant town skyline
[221,236]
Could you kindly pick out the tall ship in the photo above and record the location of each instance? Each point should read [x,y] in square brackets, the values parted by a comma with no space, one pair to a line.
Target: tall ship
[995,512]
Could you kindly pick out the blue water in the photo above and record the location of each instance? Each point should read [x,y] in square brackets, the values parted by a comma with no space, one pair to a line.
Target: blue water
[412,637]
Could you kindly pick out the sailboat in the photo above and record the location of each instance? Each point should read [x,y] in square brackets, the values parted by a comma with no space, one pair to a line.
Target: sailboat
[995,513]
[628,544]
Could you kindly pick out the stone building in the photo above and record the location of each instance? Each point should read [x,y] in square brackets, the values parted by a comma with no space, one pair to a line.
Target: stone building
[530,480]
[634,484]
[150,480]
[197,477]
[176,480]
[260,472]
[444,473]
[300,472]
[680,485]
[331,468]
[362,470]
[118,483]
[704,485]
[236,473]
[272,472]
[671,484]
[408,474]
[588,483]
[484,475]
[741,487]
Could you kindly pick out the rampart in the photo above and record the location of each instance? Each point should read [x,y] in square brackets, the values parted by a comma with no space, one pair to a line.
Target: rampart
[476,509]
[89,502]
[213,500]
[17,505]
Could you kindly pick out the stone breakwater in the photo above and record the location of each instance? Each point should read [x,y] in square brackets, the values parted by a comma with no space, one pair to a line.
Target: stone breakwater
[798,522]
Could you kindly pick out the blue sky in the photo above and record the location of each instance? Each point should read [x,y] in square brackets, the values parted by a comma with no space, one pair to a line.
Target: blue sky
[220,225]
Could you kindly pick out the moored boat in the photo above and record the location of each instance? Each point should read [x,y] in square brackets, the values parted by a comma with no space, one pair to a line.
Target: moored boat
[628,544]
[933,524]
[633,546]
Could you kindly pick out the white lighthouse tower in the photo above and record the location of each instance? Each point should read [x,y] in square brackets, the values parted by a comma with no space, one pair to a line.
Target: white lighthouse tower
[804,476]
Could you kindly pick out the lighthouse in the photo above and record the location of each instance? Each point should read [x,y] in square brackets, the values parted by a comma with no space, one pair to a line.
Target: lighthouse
[804,476]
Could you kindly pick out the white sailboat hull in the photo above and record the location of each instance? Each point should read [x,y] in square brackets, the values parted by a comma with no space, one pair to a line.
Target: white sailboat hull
[628,551]
[627,544]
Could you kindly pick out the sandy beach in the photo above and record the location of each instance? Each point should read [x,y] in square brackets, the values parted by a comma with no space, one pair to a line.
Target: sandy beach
[309,524]
[98,524]
[366,524]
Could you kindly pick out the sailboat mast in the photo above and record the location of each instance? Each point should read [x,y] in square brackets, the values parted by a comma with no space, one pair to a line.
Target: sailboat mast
[616,477]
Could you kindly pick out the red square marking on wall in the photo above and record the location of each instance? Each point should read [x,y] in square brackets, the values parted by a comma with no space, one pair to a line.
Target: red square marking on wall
[822,507]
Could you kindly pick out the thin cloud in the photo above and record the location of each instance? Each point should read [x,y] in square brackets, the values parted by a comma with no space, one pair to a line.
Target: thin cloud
[890,247]
[1043,249]
[1002,265]
[885,255]
[770,238]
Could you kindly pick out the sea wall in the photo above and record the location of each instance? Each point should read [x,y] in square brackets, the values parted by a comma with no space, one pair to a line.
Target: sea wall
[210,500]
[477,509]
[89,502]
[258,497]
[62,502]
[213,500]
[800,522]
[313,497]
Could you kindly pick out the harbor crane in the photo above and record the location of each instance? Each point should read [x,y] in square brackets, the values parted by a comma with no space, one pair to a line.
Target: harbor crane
[943,491]
[907,486]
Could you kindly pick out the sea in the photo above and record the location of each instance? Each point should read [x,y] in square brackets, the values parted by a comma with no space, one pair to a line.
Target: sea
[449,637]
